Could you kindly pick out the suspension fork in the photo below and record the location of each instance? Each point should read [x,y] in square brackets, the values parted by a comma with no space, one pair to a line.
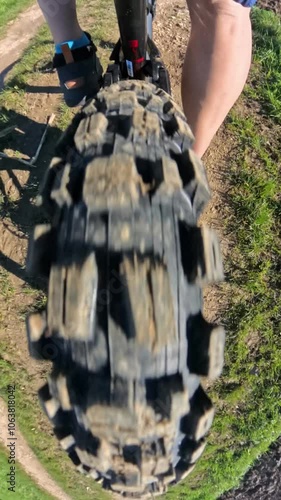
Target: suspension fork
[135,24]
[135,54]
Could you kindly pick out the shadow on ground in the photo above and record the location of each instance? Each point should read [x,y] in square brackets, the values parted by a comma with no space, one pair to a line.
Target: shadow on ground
[23,180]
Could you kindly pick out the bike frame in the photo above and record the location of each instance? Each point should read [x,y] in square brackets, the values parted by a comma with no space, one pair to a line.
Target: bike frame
[135,55]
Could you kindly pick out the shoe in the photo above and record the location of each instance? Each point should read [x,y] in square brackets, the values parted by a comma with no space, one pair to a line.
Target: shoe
[79,71]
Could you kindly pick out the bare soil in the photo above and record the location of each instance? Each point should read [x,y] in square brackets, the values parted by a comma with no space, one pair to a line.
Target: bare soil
[273,5]
[18,36]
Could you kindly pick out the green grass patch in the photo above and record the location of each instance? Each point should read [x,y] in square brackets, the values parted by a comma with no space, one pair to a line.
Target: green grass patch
[9,10]
[266,78]
[25,488]
[6,288]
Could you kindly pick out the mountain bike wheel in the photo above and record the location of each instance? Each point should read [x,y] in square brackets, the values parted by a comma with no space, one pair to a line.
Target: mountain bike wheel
[126,264]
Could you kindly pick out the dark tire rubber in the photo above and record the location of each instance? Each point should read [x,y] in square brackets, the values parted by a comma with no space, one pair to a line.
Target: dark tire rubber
[126,265]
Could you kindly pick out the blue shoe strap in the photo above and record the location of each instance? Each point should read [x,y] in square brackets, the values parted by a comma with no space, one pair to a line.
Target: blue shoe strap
[73,44]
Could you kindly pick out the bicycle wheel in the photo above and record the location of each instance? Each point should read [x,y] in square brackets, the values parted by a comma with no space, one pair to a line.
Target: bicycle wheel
[126,265]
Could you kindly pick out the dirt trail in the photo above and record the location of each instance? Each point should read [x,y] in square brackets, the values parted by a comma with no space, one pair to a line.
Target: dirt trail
[17,38]
[28,460]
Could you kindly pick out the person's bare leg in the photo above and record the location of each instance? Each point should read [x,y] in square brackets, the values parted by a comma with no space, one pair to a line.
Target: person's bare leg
[61,17]
[216,65]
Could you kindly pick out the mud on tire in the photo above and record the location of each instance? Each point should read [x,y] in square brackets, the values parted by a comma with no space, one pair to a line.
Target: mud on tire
[126,264]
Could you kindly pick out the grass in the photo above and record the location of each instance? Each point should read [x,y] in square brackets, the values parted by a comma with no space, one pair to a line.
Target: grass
[247,397]
[6,288]
[267,73]
[9,10]
[25,488]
